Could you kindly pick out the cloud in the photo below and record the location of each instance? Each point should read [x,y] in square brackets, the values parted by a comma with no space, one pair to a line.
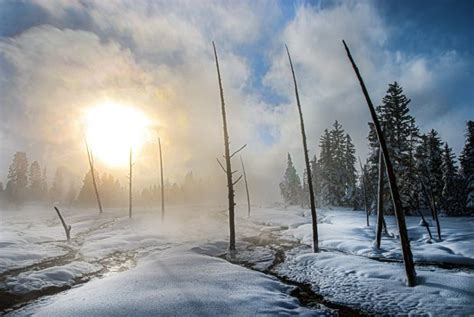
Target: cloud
[158,56]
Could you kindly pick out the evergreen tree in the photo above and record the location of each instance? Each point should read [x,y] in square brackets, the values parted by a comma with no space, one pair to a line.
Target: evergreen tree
[401,135]
[17,179]
[290,187]
[467,167]
[325,162]
[86,195]
[452,197]
[350,173]
[337,166]
[35,187]
[316,173]
[435,165]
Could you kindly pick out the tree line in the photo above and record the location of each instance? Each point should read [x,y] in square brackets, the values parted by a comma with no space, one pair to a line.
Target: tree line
[28,183]
[425,167]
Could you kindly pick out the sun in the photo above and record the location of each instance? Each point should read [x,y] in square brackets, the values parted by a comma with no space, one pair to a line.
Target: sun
[111,129]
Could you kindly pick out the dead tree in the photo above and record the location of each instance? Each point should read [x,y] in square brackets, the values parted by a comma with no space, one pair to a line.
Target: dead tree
[130,186]
[162,183]
[94,182]
[364,184]
[431,202]
[380,218]
[306,157]
[67,228]
[246,186]
[402,228]
[227,156]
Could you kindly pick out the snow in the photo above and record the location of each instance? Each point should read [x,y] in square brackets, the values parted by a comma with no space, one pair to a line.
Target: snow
[178,282]
[379,287]
[144,266]
[57,276]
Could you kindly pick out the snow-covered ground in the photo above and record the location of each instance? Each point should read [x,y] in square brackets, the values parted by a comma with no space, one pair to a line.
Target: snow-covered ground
[122,266]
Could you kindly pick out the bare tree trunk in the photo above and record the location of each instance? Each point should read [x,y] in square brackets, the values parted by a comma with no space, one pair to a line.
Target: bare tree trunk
[91,164]
[130,186]
[402,228]
[434,211]
[246,187]
[364,183]
[162,184]
[306,158]
[227,156]
[380,218]
[67,228]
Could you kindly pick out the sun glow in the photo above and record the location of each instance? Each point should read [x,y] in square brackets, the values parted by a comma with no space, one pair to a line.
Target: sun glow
[111,129]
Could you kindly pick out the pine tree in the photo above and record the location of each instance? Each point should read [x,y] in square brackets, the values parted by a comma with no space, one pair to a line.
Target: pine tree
[337,166]
[452,197]
[316,173]
[350,173]
[17,179]
[467,167]
[35,188]
[290,187]
[435,162]
[401,135]
[325,167]
[86,195]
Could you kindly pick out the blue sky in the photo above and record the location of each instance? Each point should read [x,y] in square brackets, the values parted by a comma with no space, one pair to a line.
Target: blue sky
[52,51]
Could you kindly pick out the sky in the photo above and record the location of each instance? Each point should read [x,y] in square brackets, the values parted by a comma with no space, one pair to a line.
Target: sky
[57,58]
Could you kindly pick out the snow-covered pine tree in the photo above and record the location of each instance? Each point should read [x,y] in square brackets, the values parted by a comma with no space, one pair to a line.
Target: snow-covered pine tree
[325,168]
[338,168]
[401,134]
[290,187]
[467,167]
[452,197]
[17,179]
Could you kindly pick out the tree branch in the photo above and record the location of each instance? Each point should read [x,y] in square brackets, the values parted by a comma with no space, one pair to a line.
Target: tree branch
[241,148]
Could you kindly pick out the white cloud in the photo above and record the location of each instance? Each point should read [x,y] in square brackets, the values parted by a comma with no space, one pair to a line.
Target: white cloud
[158,56]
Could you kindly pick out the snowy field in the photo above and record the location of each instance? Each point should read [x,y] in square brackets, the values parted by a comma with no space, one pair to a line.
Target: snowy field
[120,266]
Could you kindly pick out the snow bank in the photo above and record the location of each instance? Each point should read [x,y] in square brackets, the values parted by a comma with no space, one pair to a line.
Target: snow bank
[379,288]
[57,276]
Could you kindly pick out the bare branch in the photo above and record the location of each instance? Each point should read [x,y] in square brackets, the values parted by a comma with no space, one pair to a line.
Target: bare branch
[240,149]
[238,179]
[222,166]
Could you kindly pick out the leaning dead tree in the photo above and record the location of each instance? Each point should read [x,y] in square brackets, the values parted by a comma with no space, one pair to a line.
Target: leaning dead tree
[162,183]
[364,185]
[227,156]
[246,186]
[67,228]
[397,203]
[130,185]
[429,197]
[380,219]
[90,157]
[306,158]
